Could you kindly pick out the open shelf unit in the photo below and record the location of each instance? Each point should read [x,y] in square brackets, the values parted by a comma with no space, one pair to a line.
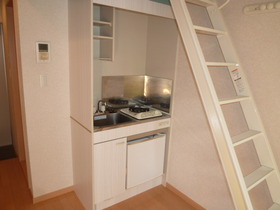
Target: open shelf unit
[103,32]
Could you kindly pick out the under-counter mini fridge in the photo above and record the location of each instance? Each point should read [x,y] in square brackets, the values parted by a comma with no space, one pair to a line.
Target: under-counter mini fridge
[145,159]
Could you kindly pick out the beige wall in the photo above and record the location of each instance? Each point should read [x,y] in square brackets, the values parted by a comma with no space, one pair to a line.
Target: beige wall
[194,166]
[256,39]
[161,47]
[47,109]
[130,49]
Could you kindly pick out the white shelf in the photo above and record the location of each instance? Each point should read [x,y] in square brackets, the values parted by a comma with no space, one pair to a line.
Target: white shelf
[244,137]
[102,37]
[100,23]
[204,3]
[208,31]
[275,206]
[233,99]
[221,64]
[257,177]
[105,59]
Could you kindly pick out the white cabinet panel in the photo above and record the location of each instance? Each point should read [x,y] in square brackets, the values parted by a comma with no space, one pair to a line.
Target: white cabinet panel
[134,129]
[145,160]
[81,62]
[143,6]
[109,169]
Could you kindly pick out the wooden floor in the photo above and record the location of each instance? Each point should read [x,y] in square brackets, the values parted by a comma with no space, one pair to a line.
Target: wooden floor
[15,195]
[159,198]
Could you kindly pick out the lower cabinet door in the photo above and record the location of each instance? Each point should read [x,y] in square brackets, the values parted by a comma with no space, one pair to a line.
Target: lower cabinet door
[109,169]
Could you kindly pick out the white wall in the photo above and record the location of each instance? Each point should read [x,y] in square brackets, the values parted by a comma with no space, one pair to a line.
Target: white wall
[47,109]
[130,49]
[5,127]
[162,40]
[194,167]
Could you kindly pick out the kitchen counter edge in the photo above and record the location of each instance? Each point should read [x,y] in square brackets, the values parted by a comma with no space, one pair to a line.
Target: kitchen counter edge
[132,123]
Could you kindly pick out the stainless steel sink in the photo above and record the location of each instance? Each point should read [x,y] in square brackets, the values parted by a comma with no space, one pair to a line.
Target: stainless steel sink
[111,119]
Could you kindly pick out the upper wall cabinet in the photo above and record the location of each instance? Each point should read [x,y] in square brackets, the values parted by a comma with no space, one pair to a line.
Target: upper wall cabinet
[103,32]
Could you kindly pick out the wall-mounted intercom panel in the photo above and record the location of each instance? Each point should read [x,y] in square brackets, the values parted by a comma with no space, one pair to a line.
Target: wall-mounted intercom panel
[43,52]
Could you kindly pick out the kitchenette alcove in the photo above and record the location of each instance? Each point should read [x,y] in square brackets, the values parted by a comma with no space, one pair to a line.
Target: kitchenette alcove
[140,66]
[123,43]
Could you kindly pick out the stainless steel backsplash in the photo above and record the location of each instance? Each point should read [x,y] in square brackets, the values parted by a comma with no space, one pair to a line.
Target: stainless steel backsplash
[148,90]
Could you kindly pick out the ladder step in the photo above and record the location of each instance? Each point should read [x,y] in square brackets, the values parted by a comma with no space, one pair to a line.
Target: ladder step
[244,137]
[204,3]
[208,31]
[221,64]
[275,206]
[103,37]
[99,22]
[233,99]
[257,176]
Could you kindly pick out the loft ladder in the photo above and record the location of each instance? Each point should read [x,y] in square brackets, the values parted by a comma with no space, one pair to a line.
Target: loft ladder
[239,185]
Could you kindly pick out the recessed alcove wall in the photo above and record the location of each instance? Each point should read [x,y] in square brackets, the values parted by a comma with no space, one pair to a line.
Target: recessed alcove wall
[144,45]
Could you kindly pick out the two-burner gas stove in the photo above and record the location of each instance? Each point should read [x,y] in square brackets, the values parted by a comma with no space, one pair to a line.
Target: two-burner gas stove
[141,112]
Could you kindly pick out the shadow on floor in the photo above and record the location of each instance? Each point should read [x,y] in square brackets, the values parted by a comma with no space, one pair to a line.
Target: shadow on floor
[7,152]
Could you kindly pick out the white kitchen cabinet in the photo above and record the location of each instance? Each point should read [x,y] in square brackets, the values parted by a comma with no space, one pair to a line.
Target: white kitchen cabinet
[109,169]
[145,159]
[110,161]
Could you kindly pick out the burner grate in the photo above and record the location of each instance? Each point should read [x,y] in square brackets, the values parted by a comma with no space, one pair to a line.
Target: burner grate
[139,109]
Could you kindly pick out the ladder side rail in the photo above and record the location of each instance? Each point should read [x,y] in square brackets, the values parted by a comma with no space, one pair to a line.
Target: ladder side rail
[250,111]
[211,105]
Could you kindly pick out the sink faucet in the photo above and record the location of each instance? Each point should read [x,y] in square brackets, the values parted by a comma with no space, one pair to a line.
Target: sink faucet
[101,106]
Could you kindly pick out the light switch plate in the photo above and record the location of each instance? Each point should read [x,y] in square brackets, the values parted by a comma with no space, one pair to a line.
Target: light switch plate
[43,81]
